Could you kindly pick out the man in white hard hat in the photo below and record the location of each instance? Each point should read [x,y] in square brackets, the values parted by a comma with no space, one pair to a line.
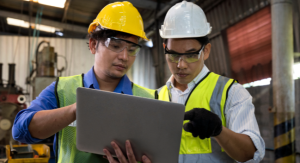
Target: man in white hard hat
[220,125]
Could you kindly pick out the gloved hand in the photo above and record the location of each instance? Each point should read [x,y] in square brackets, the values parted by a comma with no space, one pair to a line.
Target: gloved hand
[203,123]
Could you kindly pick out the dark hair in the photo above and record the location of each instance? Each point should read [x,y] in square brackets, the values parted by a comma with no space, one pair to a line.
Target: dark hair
[202,40]
[101,34]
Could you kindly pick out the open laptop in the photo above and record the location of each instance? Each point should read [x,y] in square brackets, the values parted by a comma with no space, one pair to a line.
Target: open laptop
[153,127]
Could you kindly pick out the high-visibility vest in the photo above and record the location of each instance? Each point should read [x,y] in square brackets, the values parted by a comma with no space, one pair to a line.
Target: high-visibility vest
[211,94]
[66,138]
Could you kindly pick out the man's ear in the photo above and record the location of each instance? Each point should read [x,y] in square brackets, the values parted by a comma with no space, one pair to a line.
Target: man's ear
[92,45]
[164,45]
[206,51]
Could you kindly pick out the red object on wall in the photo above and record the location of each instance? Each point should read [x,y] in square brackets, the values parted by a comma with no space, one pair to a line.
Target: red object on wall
[250,47]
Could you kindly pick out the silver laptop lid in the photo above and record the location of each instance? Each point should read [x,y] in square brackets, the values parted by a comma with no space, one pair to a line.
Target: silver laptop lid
[153,127]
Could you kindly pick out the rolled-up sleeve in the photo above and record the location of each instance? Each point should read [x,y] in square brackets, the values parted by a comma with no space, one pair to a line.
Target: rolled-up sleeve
[240,118]
[45,101]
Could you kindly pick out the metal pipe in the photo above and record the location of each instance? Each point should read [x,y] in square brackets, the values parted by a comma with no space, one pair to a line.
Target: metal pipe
[11,75]
[283,83]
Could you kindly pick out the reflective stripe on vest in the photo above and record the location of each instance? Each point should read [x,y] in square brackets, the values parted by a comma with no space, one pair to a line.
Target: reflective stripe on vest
[210,93]
[66,139]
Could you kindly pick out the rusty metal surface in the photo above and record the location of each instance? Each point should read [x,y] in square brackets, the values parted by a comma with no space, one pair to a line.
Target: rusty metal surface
[225,14]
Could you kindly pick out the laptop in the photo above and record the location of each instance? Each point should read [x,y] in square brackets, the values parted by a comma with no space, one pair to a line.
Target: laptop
[153,127]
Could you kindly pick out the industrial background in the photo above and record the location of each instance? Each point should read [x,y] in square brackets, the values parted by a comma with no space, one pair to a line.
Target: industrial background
[253,41]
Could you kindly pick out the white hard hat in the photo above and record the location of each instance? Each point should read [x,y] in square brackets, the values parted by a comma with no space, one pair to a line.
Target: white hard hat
[184,20]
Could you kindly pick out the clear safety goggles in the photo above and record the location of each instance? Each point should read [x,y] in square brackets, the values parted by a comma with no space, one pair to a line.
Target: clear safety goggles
[187,57]
[118,45]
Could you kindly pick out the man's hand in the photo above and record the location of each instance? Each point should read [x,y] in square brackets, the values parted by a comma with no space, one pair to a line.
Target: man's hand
[203,123]
[121,157]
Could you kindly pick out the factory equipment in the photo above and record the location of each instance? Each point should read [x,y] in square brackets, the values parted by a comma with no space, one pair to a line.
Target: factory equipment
[46,72]
[28,153]
[46,69]
[46,61]
[12,100]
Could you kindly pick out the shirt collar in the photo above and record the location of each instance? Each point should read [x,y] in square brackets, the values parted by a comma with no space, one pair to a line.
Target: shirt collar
[201,75]
[90,81]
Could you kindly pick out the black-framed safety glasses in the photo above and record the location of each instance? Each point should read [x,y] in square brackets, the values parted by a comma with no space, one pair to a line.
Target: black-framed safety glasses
[187,57]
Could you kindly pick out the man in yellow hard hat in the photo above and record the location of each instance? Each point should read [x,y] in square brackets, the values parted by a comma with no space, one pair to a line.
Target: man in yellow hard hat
[113,39]
[220,125]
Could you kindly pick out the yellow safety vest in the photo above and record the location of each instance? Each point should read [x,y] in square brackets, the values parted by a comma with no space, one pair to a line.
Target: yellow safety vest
[211,94]
[65,91]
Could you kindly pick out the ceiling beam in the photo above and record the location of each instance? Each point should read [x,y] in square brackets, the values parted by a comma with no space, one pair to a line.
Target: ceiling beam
[67,4]
[160,13]
[65,26]
[145,4]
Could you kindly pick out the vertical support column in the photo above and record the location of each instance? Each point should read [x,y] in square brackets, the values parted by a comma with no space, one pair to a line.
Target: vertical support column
[1,81]
[283,83]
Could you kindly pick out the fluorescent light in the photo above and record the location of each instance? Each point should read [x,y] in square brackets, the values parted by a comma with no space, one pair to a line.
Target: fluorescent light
[59,33]
[262,82]
[296,75]
[17,22]
[24,24]
[45,28]
[149,43]
[296,71]
[54,3]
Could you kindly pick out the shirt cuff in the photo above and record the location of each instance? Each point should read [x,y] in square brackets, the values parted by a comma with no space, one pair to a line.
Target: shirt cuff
[259,145]
[21,132]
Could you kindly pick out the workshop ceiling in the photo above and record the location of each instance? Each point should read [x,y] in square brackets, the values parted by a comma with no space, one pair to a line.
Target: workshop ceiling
[77,14]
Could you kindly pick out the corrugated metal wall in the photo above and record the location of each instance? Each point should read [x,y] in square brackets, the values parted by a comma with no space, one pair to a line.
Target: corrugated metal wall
[143,71]
[250,47]
[225,14]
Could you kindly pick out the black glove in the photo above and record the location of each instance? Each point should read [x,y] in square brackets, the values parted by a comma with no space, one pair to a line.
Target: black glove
[203,123]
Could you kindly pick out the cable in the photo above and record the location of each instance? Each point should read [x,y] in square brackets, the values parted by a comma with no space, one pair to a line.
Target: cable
[19,31]
[37,52]
[66,62]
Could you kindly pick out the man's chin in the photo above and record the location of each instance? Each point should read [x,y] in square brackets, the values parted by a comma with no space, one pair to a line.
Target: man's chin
[117,74]
[182,81]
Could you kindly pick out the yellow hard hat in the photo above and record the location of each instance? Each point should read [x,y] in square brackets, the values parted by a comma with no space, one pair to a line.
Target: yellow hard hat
[120,16]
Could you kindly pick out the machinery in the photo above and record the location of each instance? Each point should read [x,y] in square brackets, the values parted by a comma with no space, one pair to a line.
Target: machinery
[46,72]
[12,100]
[46,69]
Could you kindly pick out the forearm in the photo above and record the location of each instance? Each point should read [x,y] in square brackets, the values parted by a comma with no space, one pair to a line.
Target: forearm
[238,146]
[48,122]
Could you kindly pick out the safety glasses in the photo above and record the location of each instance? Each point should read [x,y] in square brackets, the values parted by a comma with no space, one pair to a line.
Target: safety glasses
[118,45]
[187,57]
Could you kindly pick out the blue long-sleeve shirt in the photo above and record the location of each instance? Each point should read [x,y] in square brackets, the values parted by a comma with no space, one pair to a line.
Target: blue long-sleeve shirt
[47,101]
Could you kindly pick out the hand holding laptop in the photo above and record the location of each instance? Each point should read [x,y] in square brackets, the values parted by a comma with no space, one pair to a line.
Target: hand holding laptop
[121,157]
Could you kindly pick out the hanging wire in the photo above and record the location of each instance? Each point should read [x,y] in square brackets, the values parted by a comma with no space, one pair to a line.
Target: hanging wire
[36,34]
[19,31]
